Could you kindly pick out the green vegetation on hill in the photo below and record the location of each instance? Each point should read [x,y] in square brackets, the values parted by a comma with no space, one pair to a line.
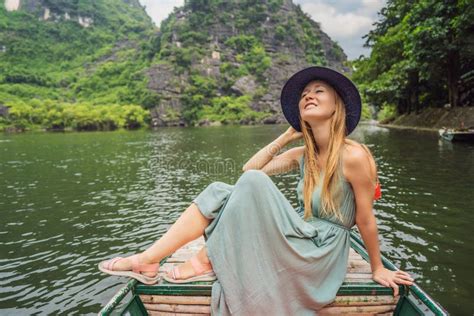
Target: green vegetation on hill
[49,63]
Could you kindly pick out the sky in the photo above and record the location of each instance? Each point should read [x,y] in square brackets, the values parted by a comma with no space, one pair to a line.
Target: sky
[345,21]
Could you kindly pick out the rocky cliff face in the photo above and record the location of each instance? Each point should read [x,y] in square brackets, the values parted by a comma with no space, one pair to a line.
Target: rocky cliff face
[288,37]
[42,10]
[59,10]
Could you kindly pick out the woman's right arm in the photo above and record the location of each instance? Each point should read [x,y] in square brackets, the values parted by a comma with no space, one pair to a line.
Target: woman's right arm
[267,160]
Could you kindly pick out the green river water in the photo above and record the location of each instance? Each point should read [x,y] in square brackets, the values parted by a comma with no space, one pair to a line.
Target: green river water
[70,200]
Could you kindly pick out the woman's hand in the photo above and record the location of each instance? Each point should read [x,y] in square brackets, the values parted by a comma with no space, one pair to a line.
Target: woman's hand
[391,278]
[291,134]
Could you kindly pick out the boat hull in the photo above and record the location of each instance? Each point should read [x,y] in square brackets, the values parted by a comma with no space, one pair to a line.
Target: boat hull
[455,136]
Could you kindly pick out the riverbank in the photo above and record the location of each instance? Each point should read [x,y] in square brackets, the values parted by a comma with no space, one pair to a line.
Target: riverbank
[433,119]
[418,128]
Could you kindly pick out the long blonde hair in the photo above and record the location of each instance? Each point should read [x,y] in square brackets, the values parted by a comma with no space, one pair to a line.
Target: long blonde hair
[331,187]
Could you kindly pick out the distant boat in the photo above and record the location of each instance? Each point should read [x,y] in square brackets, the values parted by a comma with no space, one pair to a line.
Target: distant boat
[457,134]
[358,295]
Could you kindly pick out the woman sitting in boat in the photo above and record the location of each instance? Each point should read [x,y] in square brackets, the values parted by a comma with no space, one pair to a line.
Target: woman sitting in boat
[264,255]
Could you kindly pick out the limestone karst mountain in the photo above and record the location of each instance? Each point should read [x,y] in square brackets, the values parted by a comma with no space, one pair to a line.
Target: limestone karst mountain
[234,52]
[209,61]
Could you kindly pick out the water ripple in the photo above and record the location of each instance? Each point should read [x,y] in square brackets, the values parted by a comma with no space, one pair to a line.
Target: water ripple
[69,201]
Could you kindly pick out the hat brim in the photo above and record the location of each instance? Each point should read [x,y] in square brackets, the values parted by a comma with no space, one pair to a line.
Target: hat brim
[291,92]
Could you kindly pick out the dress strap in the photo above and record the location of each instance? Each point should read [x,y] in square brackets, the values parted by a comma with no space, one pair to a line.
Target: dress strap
[341,163]
[302,166]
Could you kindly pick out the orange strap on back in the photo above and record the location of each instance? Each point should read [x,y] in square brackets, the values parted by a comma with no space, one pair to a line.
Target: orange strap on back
[378,192]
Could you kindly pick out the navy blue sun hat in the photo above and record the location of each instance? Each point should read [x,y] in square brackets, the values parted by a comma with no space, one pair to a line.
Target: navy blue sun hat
[291,92]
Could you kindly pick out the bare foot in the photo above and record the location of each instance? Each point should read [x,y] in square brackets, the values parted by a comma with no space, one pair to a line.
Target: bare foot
[125,264]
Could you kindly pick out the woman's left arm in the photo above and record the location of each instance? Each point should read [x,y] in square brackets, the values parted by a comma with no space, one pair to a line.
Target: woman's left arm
[358,174]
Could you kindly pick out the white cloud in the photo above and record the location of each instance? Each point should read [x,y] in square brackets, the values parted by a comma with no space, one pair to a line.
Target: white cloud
[159,10]
[334,23]
[346,27]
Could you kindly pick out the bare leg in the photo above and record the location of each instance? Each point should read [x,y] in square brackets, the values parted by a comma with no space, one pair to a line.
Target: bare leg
[189,226]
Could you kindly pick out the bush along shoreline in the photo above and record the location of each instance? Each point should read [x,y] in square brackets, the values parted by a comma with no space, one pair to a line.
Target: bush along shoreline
[61,116]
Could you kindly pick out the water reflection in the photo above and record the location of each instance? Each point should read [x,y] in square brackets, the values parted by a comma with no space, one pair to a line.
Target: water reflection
[70,200]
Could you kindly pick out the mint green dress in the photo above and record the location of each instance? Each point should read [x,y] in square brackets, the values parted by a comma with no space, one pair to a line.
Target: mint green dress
[267,259]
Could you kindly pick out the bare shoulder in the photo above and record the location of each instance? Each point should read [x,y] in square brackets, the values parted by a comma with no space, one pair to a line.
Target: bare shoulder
[355,159]
[354,152]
